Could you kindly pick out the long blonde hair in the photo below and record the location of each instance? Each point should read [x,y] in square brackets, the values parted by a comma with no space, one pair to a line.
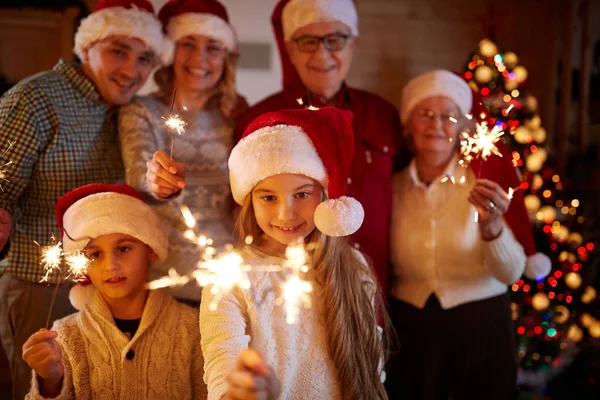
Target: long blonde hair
[225,96]
[349,293]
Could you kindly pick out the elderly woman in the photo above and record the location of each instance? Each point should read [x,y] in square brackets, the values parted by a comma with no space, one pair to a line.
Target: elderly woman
[203,72]
[448,301]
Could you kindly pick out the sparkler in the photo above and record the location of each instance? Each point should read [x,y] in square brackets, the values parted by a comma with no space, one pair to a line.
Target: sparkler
[54,259]
[309,107]
[3,170]
[227,270]
[482,143]
[174,123]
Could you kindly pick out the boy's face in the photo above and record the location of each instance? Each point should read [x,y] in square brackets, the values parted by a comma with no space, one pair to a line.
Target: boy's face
[119,265]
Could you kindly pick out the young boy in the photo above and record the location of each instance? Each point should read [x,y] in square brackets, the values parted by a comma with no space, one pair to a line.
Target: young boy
[126,342]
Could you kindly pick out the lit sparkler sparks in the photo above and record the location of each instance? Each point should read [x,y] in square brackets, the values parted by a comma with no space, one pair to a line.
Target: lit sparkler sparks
[3,170]
[295,290]
[51,258]
[482,143]
[175,123]
[308,107]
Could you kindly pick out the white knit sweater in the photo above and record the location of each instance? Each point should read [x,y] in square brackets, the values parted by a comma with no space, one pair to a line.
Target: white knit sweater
[243,319]
[436,245]
[167,362]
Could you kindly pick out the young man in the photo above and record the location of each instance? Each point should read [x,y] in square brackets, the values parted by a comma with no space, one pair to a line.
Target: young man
[61,125]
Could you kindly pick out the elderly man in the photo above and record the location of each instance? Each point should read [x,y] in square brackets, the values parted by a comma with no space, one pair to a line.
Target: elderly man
[58,127]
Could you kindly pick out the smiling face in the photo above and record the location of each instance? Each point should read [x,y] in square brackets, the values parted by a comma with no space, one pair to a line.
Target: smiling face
[198,63]
[118,66]
[119,266]
[322,71]
[433,125]
[284,206]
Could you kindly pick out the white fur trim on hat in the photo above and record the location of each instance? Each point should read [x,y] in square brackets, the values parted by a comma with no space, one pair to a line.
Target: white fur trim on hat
[435,83]
[120,21]
[201,24]
[299,13]
[339,217]
[81,295]
[110,212]
[538,266]
[269,151]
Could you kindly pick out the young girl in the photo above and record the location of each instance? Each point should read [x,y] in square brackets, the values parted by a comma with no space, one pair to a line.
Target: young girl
[125,342]
[281,172]
[202,69]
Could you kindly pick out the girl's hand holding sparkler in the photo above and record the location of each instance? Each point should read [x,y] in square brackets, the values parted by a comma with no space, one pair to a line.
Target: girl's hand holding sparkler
[42,353]
[164,176]
[252,378]
[491,203]
[5,227]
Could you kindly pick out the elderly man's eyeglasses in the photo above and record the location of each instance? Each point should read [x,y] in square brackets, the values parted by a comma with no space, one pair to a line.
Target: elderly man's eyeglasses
[332,42]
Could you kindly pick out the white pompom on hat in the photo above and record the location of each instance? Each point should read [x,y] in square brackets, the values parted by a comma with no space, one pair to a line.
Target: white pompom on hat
[435,83]
[130,18]
[299,13]
[94,210]
[315,143]
[181,18]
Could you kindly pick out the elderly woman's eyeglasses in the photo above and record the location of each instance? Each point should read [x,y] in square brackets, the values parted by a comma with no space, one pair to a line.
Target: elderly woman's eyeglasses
[332,42]
[426,116]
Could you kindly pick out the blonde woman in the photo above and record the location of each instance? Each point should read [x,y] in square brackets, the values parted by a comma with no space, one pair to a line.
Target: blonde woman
[203,72]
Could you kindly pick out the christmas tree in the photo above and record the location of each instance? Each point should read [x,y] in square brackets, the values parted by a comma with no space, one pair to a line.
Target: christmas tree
[554,316]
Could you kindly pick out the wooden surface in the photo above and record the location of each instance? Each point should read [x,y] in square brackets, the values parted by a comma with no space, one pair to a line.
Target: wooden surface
[34,40]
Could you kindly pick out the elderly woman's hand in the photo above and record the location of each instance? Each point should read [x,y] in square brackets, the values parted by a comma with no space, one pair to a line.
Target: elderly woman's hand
[491,203]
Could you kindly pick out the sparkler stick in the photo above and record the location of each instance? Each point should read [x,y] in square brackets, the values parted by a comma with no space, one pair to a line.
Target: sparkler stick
[4,171]
[174,123]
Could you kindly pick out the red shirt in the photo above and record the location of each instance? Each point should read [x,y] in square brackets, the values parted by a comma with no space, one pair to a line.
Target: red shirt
[376,126]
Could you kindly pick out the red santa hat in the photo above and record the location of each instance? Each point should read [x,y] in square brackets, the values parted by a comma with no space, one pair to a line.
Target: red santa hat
[315,143]
[94,210]
[182,18]
[495,168]
[131,18]
[290,15]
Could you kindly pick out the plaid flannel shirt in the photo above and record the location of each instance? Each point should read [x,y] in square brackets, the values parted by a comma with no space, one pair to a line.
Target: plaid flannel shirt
[64,137]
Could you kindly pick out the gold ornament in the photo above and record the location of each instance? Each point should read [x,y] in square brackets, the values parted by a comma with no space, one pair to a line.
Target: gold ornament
[573,280]
[510,59]
[575,333]
[487,48]
[540,135]
[520,73]
[589,295]
[561,314]
[514,307]
[594,329]
[522,135]
[540,301]
[484,74]
[586,320]
[532,203]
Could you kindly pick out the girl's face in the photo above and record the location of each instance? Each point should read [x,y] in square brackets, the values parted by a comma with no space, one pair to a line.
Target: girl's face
[434,125]
[284,207]
[119,265]
[198,62]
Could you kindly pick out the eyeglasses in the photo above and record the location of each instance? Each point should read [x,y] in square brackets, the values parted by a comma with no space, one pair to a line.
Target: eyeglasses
[332,42]
[426,116]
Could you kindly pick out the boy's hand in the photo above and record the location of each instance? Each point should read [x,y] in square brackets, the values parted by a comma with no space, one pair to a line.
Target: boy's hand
[164,176]
[43,354]
[252,378]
